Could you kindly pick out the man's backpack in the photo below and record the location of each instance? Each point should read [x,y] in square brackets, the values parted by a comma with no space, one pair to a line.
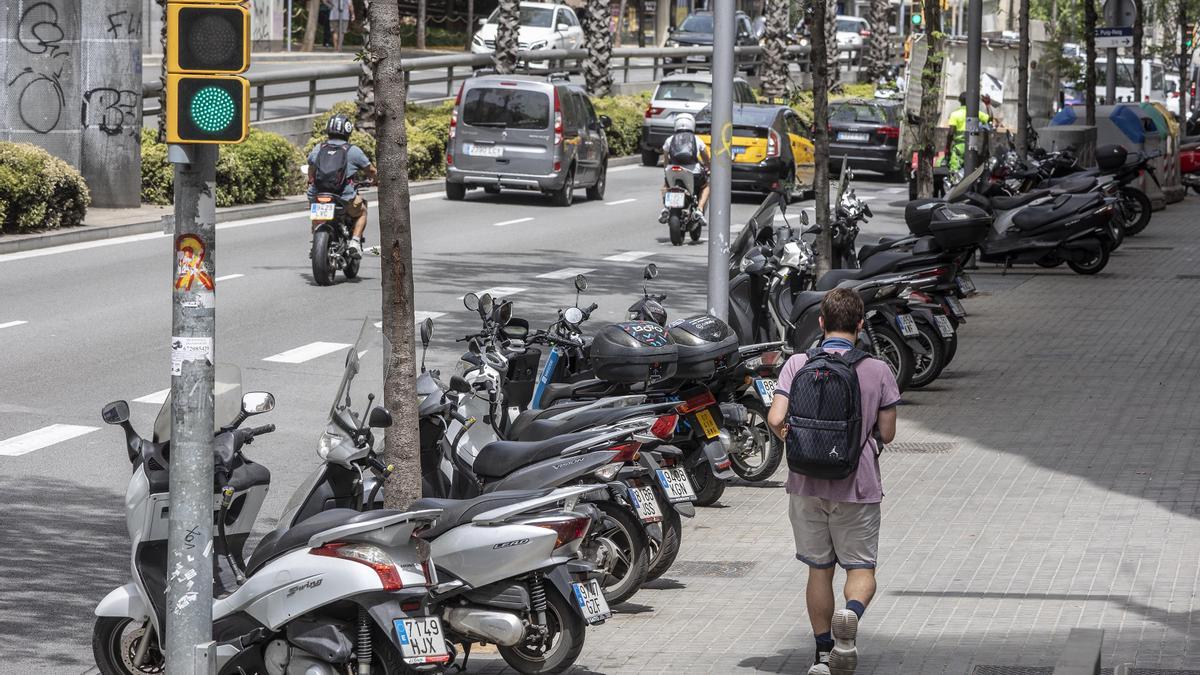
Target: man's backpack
[824,437]
[683,149]
[329,169]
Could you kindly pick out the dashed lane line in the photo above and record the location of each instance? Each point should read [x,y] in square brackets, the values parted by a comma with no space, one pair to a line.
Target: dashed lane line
[502,291]
[620,201]
[42,438]
[227,277]
[10,324]
[505,223]
[628,256]
[565,273]
[307,352]
[157,398]
[418,317]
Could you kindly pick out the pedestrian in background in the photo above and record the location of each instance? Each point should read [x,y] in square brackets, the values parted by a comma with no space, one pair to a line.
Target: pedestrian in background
[341,13]
[836,521]
[323,24]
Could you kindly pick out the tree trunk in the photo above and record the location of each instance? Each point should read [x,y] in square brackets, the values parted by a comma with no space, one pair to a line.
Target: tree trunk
[402,439]
[774,67]
[1023,79]
[932,96]
[819,57]
[641,16]
[1138,38]
[1184,60]
[831,45]
[162,73]
[420,24]
[366,76]
[470,25]
[597,70]
[877,45]
[621,21]
[310,26]
[506,36]
[1089,66]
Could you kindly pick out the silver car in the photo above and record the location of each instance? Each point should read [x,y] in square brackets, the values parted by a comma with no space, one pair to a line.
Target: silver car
[526,133]
[686,92]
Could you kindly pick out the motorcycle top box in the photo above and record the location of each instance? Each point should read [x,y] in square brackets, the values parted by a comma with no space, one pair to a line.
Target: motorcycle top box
[706,345]
[958,225]
[918,213]
[634,352]
[1111,157]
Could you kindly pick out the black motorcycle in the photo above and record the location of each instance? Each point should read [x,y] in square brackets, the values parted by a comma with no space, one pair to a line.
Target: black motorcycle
[332,229]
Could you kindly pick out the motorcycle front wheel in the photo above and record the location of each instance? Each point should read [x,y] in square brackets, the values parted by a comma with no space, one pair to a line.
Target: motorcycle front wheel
[757,451]
[565,630]
[709,488]
[662,555]
[890,347]
[927,367]
[675,227]
[1136,207]
[115,643]
[323,268]
[619,548]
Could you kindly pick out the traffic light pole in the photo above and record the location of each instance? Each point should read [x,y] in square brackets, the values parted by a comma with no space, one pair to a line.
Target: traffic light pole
[721,136]
[1110,56]
[974,145]
[193,329]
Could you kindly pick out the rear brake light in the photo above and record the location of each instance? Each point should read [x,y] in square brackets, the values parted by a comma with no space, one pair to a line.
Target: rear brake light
[626,452]
[508,84]
[368,555]
[568,529]
[453,122]
[664,427]
[698,402]
[865,33]
[558,121]
[773,143]
[324,199]
[676,168]
[889,132]
[651,111]
[721,466]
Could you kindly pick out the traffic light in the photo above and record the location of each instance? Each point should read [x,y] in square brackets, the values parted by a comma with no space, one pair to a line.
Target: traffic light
[208,45]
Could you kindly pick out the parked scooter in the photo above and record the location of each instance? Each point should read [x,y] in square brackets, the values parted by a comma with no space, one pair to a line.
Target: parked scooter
[682,204]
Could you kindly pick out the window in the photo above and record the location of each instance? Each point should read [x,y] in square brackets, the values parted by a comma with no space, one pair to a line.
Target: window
[568,17]
[1157,82]
[537,17]
[1124,74]
[743,26]
[861,113]
[506,108]
[684,91]
[697,23]
[588,110]
[849,26]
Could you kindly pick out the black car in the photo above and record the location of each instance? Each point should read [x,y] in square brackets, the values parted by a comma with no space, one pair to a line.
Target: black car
[697,31]
[867,133]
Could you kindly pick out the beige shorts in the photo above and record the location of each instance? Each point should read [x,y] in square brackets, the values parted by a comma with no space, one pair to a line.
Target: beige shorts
[356,207]
[829,533]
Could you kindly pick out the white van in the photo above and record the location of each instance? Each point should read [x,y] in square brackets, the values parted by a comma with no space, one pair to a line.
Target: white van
[1154,84]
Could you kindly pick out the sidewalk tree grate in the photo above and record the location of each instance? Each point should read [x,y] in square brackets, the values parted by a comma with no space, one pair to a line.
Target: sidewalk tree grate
[921,448]
[711,568]
[1049,670]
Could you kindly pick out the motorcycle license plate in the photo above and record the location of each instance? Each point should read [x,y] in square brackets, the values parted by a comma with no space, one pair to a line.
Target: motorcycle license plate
[421,640]
[956,307]
[944,326]
[645,504]
[676,484]
[475,150]
[766,390]
[591,601]
[707,424]
[907,325]
[320,211]
[674,200]
[965,284]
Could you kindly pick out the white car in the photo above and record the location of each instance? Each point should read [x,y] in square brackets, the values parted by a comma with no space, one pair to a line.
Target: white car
[852,31]
[543,25]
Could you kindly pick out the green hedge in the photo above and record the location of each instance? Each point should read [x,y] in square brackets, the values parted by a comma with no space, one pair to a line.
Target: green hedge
[264,167]
[627,113]
[38,191]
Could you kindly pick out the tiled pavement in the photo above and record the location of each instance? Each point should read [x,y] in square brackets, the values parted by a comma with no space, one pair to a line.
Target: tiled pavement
[1069,496]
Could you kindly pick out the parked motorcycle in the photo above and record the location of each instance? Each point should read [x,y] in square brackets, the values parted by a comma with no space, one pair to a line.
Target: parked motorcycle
[681,202]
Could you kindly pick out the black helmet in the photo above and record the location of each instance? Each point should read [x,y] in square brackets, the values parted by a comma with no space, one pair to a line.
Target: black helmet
[339,126]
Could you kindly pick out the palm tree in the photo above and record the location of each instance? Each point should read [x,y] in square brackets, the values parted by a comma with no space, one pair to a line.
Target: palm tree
[507,24]
[366,76]
[931,95]
[877,45]
[774,63]
[831,45]
[597,66]
[821,81]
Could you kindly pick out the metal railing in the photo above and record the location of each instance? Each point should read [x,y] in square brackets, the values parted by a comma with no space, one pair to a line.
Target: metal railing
[451,69]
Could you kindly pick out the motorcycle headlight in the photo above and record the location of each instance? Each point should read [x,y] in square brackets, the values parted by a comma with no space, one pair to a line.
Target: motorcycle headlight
[327,443]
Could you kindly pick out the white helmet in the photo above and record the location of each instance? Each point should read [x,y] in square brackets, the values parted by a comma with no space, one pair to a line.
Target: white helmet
[685,122]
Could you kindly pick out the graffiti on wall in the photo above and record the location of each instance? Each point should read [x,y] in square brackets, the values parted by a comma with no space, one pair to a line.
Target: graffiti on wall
[39,86]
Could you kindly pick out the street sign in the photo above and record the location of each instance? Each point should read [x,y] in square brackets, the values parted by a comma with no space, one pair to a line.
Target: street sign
[1113,37]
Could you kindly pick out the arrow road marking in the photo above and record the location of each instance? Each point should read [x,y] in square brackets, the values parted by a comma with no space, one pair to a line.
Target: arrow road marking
[308,352]
[41,438]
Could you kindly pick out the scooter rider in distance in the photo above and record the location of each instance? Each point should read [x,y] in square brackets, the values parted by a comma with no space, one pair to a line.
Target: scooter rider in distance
[686,149]
[332,166]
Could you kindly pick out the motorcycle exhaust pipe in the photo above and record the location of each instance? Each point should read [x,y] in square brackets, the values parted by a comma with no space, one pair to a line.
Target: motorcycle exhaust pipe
[502,628]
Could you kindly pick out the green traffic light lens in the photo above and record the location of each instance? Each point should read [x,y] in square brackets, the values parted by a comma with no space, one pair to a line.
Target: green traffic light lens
[916,19]
[212,109]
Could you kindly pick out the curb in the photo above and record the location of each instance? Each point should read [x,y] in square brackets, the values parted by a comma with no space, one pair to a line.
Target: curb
[288,204]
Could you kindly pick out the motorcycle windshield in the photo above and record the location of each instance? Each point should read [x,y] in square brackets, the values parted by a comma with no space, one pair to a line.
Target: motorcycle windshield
[367,349]
[965,184]
[843,181]
[762,220]
[227,402]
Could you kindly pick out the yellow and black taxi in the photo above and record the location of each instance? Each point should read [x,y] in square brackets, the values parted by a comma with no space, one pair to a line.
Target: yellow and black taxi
[770,147]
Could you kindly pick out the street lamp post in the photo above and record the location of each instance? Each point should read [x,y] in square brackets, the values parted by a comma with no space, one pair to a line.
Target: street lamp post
[721,137]
[974,57]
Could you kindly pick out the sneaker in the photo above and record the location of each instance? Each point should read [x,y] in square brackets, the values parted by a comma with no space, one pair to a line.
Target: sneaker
[664,216]
[354,248]
[819,669]
[844,657]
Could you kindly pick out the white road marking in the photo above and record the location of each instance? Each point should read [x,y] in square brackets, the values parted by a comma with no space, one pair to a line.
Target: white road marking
[501,291]
[627,167]
[10,324]
[628,256]
[157,398]
[427,195]
[227,277]
[41,438]
[620,201]
[565,273]
[512,222]
[308,352]
[418,316]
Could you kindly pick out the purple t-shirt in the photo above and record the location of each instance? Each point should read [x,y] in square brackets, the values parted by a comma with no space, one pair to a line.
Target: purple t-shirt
[878,390]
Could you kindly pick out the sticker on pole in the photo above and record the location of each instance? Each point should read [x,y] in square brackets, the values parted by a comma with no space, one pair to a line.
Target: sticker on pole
[189,349]
[189,263]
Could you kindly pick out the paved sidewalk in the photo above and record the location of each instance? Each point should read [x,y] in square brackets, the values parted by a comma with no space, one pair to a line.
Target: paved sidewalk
[1046,481]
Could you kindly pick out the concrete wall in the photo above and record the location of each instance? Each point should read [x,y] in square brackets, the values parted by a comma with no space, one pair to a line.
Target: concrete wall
[111,101]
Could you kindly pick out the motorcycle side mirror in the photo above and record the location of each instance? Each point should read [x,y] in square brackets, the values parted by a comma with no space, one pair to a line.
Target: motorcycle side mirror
[804,217]
[116,412]
[471,302]
[650,271]
[426,331]
[504,313]
[573,316]
[257,403]
[379,418]
[459,384]
[581,283]
[486,305]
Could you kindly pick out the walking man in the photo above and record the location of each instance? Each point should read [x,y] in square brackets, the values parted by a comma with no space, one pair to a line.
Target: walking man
[341,13]
[833,407]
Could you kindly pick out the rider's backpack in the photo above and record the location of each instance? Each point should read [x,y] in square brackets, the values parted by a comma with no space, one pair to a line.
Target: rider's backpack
[824,422]
[683,149]
[329,170]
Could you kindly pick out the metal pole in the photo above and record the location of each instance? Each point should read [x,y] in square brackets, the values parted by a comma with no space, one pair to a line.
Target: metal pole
[1110,56]
[289,25]
[193,328]
[724,31]
[974,49]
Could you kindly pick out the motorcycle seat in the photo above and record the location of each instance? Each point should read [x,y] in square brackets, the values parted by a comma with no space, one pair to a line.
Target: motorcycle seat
[283,539]
[560,391]
[500,458]
[536,429]
[873,266]
[1006,203]
[457,512]
[803,300]
[1034,217]
[1078,182]
[885,244]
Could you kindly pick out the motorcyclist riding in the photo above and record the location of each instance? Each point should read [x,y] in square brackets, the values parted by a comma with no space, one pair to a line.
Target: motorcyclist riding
[685,149]
[332,168]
